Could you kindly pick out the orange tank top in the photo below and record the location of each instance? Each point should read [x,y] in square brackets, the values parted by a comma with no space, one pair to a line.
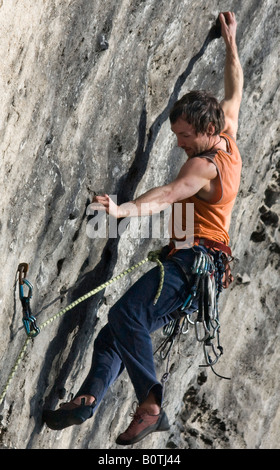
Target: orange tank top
[212,220]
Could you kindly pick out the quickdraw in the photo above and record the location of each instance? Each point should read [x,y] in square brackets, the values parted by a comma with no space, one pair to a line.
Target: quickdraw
[206,275]
[29,321]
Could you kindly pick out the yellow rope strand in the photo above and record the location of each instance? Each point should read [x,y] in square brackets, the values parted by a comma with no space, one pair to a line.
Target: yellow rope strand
[93,292]
[152,256]
[14,369]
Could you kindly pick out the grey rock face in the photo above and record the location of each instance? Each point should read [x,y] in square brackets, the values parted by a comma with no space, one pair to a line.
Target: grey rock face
[85,93]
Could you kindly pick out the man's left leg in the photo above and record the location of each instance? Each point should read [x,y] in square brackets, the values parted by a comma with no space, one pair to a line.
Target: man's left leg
[131,320]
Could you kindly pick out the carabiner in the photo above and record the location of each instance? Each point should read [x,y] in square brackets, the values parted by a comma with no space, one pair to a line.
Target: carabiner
[185,326]
[21,292]
[206,332]
[209,361]
[197,262]
[30,326]
[163,354]
[168,329]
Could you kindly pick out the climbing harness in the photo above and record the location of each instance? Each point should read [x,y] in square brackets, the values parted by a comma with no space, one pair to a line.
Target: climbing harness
[205,280]
[29,321]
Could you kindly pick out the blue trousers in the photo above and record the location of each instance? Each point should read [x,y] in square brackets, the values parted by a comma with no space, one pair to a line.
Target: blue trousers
[125,342]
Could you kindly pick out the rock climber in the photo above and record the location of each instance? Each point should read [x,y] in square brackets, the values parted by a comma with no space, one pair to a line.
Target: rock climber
[206,130]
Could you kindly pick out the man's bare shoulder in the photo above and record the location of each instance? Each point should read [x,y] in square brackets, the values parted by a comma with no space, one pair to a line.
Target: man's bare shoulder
[200,165]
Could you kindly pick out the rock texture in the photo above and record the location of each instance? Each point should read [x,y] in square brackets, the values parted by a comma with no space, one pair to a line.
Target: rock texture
[85,92]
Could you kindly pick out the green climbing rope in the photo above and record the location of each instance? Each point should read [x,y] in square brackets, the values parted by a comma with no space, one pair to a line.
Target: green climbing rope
[92,292]
[152,256]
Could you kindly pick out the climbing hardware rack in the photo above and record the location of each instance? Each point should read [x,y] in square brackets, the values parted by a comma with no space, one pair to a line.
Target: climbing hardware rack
[29,321]
[205,281]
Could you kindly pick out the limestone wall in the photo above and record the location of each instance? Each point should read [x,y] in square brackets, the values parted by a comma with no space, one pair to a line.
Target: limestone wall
[85,90]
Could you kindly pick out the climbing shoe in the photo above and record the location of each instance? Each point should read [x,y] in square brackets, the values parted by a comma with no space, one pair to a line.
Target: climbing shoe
[141,425]
[68,414]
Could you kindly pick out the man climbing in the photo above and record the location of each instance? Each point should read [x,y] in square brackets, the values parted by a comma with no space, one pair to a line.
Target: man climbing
[206,131]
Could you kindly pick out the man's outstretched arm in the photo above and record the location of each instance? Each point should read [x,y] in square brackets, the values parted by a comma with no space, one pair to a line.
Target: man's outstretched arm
[193,176]
[233,75]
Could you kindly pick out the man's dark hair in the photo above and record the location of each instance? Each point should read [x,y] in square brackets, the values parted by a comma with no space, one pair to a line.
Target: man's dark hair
[199,108]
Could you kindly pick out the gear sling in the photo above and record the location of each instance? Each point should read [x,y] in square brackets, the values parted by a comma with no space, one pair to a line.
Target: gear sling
[206,278]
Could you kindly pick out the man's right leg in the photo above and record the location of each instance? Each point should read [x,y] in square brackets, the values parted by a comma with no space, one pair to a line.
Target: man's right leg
[105,368]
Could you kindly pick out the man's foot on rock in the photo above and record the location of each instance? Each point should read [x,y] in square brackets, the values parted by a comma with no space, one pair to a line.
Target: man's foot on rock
[76,411]
[143,423]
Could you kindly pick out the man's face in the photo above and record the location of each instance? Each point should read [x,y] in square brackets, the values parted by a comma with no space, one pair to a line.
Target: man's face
[187,139]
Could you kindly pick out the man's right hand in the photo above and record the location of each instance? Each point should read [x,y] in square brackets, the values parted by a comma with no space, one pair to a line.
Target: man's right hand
[105,203]
[228,27]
